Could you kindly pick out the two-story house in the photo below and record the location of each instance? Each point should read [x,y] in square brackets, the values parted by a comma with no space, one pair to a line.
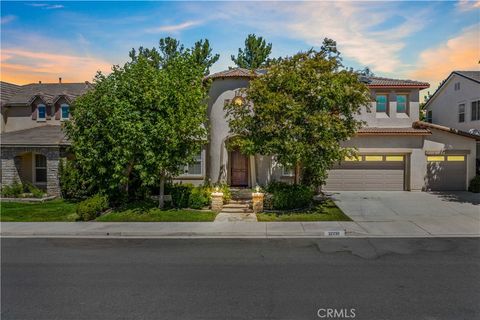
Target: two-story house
[456,103]
[396,151]
[32,141]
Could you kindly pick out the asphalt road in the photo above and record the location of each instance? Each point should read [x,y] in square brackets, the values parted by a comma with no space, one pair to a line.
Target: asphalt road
[240,279]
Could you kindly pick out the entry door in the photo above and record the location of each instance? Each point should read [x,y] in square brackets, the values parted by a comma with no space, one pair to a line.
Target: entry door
[239,169]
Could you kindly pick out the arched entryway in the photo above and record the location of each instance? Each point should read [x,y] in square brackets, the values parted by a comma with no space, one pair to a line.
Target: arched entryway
[238,169]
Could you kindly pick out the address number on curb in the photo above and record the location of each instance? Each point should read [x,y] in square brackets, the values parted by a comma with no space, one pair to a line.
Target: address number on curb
[335,233]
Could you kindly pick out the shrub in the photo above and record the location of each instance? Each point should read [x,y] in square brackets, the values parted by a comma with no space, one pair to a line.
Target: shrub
[12,191]
[289,196]
[71,183]
[36,192]
[91,208]
[475,185]
[199,197]
[180,194]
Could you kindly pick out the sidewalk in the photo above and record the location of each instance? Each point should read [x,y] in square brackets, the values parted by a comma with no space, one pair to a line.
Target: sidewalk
[223,229]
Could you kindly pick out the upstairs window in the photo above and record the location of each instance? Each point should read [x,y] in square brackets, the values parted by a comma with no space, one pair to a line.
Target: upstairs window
[456,86]
[402,102]
[382,103]
[41,112]
[65,111]
[461,112]
[476,110]
[429,116]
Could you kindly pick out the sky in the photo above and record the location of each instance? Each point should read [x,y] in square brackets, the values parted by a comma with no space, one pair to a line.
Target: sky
[420,40]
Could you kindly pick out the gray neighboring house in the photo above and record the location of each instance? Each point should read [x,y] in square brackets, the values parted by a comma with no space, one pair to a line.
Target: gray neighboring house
[456,103]
[32,141]
[397,151]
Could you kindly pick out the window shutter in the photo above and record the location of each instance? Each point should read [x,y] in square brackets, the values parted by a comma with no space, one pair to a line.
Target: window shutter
[57,111]
[34,112]
[48,112]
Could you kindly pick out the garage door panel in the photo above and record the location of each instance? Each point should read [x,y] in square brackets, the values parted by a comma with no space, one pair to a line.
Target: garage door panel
[366,175]
[446,175]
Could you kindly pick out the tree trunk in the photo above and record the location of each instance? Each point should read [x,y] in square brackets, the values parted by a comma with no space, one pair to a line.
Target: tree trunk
[297,173]
[161,200]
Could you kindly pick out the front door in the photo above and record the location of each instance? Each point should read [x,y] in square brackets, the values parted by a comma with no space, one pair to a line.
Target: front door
[239,169]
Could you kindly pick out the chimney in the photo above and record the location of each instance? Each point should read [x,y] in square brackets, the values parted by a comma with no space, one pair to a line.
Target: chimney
[39,81]
[59,80]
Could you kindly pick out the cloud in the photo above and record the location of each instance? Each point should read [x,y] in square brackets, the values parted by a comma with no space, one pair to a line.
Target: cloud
[467,5]
[458,53]
[46,5]
[24,66]
[174,27]
[7,19]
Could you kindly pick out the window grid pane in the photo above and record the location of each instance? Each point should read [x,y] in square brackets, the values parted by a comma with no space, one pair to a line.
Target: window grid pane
[41,112]
[381,103]
[65,112]
[40,161]
[401,104]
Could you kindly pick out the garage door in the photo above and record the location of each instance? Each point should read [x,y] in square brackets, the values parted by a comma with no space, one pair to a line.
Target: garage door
[447,172]
[368,172]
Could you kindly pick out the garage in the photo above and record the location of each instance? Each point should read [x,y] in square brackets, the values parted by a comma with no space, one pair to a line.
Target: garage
[446,172]
[368,172]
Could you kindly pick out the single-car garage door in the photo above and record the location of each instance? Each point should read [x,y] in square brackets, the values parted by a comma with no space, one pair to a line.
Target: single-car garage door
[368,172]
[446,172]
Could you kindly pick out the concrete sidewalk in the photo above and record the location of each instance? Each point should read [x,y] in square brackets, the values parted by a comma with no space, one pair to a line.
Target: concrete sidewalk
[222,229]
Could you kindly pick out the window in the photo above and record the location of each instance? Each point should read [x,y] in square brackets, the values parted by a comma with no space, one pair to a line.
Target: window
[476,110]
[288,171]
[456,86]
[40,168]
[381,103]
[455,158]
[402,101]
[373,158]
[461,112]
[435,158]
[195,168]
[41,112]
[65,111]
[394,158]
[348,159]
[429,116]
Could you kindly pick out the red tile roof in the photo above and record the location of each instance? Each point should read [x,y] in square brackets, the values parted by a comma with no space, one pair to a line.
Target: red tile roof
[407,131]
[378,82]
[235,73]
[426,125]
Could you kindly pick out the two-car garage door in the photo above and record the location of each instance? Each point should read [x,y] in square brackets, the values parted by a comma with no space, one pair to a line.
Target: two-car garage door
[368,172]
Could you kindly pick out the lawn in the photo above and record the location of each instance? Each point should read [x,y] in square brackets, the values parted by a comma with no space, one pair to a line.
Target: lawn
[54,210]
[325,212]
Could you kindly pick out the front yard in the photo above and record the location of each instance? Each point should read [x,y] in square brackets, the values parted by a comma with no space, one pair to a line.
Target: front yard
[49,211]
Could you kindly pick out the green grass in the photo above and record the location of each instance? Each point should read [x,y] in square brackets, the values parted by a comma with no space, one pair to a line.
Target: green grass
[325,212]
[147,212]
[54,210]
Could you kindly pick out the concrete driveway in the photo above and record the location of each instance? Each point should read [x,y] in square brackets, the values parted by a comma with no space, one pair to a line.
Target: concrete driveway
[412,213]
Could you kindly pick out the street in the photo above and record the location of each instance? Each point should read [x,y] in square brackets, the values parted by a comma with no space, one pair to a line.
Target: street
[402,278]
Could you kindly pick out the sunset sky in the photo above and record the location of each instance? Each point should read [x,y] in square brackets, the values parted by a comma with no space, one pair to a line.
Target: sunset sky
[417,40]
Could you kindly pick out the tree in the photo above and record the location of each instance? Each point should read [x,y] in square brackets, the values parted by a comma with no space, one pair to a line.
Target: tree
[202,55]
[140,121]
[300,111]
[255,54]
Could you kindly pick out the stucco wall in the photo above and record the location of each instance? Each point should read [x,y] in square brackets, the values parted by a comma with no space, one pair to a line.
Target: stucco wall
[444,106]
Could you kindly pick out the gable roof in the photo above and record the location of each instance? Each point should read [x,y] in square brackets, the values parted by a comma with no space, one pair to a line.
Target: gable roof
[47,135]
[427,125]
[48,92]
[7,90]
[470,75]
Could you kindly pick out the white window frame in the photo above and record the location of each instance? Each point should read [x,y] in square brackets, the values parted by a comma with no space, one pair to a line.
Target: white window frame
[456,86]
[38,112]
[461,113]
[61,111]
[477,111]
[186,174]
[34,169]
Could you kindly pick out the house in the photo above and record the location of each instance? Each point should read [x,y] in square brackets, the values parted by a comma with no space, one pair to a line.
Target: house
[32,141]
[456,103]
[397,151]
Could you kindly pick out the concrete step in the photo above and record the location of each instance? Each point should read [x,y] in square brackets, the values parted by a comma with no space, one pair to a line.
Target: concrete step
[237,205]
[240,202]
[237,210]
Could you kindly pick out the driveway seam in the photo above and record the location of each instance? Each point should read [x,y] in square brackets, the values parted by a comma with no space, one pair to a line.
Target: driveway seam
[420,227]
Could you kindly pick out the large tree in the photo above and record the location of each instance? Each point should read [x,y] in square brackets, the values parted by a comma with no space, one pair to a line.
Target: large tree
[142,120]
[255,54]
[300,111]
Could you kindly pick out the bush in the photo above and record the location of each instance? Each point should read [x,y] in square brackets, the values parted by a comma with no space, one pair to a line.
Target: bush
[91,208]
[12,191]
[71,183]
[36,192]
[289,196]
[199,198]
[180,194]
[475,185]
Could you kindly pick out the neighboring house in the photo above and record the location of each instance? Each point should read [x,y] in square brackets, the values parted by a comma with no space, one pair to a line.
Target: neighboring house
[456,103]
[397,152]
[32,141]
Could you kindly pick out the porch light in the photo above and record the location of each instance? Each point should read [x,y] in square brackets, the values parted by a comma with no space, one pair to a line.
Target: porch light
[257,189]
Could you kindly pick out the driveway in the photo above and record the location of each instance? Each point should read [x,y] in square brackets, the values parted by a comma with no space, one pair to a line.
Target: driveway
[402,213]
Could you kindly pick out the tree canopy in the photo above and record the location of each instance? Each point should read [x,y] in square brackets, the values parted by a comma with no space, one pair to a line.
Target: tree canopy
[141,122]
[300,111]
[255,54]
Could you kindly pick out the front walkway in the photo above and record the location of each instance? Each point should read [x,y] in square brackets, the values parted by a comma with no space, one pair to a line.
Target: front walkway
[399,213]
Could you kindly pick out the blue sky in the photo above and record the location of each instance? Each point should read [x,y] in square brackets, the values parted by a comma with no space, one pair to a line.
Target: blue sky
[420,40]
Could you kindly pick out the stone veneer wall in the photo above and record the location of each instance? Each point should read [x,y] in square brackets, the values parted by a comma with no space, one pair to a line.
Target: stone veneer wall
[10,158]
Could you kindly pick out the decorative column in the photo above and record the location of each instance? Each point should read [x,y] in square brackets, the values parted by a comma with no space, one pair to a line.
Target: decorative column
[217,201]
[257,199]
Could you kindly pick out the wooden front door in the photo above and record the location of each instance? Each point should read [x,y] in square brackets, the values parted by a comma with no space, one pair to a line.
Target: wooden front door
[239,169]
